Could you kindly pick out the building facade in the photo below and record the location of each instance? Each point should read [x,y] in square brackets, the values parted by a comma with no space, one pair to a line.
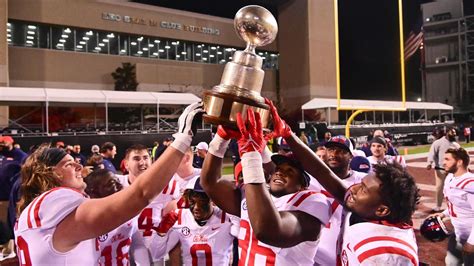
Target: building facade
[78,44]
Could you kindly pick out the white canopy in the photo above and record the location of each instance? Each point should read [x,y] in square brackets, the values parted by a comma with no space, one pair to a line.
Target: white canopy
[318,103]
[19,94]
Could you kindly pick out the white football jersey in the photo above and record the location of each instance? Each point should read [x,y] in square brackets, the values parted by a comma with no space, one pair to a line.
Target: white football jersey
[253,252]
[371,243]
[327,248]
[388,159]
[115,246]
[459,194]
[37,223]
[210,244]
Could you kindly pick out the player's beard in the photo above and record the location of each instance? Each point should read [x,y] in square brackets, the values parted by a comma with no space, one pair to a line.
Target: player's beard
[452,170]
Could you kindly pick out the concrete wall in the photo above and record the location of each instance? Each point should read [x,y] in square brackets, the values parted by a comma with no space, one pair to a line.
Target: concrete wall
[3,58]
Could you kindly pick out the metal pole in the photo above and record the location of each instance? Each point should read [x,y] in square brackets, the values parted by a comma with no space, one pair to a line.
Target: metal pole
[302,115]
[393,117]
[95,115]
[349,121]
[158,116]
[141,114]
[409,116]
[373,114]
[47,117]
[106,116]
[329,116]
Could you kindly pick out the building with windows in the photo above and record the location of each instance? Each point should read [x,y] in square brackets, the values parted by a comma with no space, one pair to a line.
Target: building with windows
[78,44]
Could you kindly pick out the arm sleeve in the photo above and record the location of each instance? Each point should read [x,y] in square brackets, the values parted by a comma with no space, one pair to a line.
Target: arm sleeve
[312,203]
[431,154]
[160,246]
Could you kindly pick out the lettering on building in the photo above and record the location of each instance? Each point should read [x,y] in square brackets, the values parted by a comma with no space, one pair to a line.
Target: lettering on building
[163,24]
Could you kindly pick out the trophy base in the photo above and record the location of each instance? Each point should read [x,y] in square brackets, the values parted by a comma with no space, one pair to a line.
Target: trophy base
[222,109]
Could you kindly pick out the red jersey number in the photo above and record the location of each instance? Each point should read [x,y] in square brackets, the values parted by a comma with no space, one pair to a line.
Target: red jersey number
[122,257]
[201,247]
[145,221]
[252,246]
[23,252]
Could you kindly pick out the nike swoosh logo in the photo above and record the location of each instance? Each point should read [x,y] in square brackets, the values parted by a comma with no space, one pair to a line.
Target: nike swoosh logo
[214,228]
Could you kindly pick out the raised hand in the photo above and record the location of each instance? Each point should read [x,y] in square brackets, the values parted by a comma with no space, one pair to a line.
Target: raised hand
[251,138]
[187,127]
[187,121]
[166,223]
[227,133]
[280,127]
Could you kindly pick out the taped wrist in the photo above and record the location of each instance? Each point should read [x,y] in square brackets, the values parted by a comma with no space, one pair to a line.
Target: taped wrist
[218,146]
[266,155]
[181,142]
[252,169]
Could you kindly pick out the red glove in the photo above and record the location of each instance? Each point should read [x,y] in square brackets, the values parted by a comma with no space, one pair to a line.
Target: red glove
[166,223]
[251,138]
[280,127]
[227,133]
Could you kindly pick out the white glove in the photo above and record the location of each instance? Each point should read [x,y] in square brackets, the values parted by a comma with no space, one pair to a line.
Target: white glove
[186,127]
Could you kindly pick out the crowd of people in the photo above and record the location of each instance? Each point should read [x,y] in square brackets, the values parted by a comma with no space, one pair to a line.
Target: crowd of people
[296,204]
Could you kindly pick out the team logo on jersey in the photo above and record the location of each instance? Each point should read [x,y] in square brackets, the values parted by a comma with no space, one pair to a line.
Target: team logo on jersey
[102,238]
[244,205]
[185,231]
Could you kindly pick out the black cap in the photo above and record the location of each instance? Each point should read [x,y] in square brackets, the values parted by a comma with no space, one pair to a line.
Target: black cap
[291,160]
[379,140]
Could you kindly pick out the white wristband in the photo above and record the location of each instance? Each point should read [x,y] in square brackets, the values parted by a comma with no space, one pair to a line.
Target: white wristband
[266,155]
[181,142]
[218,146]
[252,169]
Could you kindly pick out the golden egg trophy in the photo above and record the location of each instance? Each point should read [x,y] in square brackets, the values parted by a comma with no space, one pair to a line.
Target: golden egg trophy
[242,79]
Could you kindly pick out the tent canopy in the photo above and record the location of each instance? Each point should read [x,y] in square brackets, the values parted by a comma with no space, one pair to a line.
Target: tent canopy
[19,94]
[319,103]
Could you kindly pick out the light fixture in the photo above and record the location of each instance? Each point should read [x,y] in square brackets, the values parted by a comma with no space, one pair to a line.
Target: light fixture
[211,56]
[82,42]
[89,33]
[419,99]
[67,30]
[105,40]
[174,43]
[145,49]
[205,51]
[101,44]
[98,48]
[140,39]
[155,53]
[167,47]
[198,54]
[65,36]
[139,52]
[30,42]
[9,30]
[8,24]
[204,58]
[31,27]
[213,48]
[85,38]
[28,37]
[150,45]
[60,45]
[123,51]
[199,46]
[178,56]
[161,50]
[111,35]
[157,41]
[219,52]
[30,32]
[62,40]
[133,43]
[9,40]
[79,46]
[228,49]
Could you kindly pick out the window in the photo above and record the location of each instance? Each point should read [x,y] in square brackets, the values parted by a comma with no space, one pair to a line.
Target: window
[65,38]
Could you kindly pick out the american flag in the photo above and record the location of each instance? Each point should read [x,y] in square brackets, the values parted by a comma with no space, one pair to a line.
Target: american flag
[413,43]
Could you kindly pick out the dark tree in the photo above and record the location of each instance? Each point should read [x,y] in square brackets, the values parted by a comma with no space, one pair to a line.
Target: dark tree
[125,77]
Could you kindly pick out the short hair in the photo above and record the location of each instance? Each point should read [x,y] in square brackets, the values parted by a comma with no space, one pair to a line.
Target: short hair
[106,147]
[398,191]
[135,147]
[460,154]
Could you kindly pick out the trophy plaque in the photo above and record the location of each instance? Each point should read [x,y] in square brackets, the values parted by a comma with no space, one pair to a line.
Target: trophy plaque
[242,79]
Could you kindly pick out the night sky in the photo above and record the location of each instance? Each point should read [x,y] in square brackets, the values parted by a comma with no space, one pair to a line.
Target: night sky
[369,46]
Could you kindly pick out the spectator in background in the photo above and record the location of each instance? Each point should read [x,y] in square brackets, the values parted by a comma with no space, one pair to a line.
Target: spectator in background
[327,137]
[59,144]
[96,162]
[283,147]
[95,149]
[201,151]
[9,152]
[321,152]
[165,143]
[436,156]
[379,133]
[303,138]
[467,133]
[108,151]
[77,155]
[156,144]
